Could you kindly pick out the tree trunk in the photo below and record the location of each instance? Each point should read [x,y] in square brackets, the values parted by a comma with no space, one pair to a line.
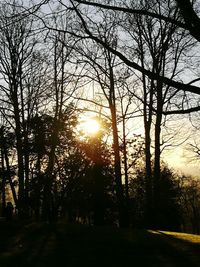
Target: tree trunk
[14,194]
[123,216]
[125,163]
[19,146]
[156,182]
[123,210]
[99,202]
[3,186]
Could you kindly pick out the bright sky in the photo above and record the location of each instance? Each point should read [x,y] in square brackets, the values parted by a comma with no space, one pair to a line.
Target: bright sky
[179,160]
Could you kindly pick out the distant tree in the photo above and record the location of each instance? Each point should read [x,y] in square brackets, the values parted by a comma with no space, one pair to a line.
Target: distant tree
[189,200]
[168,215]
[194,148]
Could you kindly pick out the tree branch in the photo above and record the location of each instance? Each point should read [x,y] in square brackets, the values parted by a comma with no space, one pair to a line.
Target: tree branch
[151,75]
[184,111]
[192,21]
[134,11]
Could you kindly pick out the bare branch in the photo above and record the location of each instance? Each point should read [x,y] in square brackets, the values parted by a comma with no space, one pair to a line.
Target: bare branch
[134,11]
[183,111]
[151,75]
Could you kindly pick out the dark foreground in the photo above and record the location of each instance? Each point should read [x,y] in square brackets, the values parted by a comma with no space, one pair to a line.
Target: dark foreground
[75,245]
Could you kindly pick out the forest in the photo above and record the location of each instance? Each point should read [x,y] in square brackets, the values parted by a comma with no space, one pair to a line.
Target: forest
[92,93]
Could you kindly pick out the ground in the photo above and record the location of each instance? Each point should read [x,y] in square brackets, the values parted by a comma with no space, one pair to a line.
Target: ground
[61,244]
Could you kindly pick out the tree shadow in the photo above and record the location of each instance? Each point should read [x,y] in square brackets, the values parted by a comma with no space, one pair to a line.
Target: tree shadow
[59,244]
[189,250]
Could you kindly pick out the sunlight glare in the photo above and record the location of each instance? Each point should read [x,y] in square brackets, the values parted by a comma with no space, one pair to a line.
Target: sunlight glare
[90,126]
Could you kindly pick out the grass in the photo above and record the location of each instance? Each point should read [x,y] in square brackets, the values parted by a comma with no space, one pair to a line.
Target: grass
[60,244]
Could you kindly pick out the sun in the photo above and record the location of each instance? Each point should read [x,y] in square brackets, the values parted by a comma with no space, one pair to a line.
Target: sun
[90,126]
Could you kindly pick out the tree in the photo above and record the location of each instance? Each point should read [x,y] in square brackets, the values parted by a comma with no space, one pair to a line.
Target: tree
[125,58]
[168,214]
[189,201]
[191,19]
[42,128]
[101,65]
[7,172]
[124,8]
[160,48]
[17,46]
[100,171]
[103,48]
[156,74]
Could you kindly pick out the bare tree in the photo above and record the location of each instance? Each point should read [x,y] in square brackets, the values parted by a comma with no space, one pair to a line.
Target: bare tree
[160,49]
[102,66]
[17,45]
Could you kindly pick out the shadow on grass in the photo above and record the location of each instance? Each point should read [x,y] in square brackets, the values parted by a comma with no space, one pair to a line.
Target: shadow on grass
[39,245]
[189,250]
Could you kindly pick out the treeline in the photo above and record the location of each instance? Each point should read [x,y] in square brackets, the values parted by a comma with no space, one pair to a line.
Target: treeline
[60,60]
[83,184]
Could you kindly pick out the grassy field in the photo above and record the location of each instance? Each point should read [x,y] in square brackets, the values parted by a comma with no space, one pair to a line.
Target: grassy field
[61,244]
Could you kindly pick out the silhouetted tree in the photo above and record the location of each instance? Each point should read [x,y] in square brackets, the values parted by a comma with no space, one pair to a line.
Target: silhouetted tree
[18,98]
[7,140]
[168,214]
[189,200]
[159,47]
[102,69]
